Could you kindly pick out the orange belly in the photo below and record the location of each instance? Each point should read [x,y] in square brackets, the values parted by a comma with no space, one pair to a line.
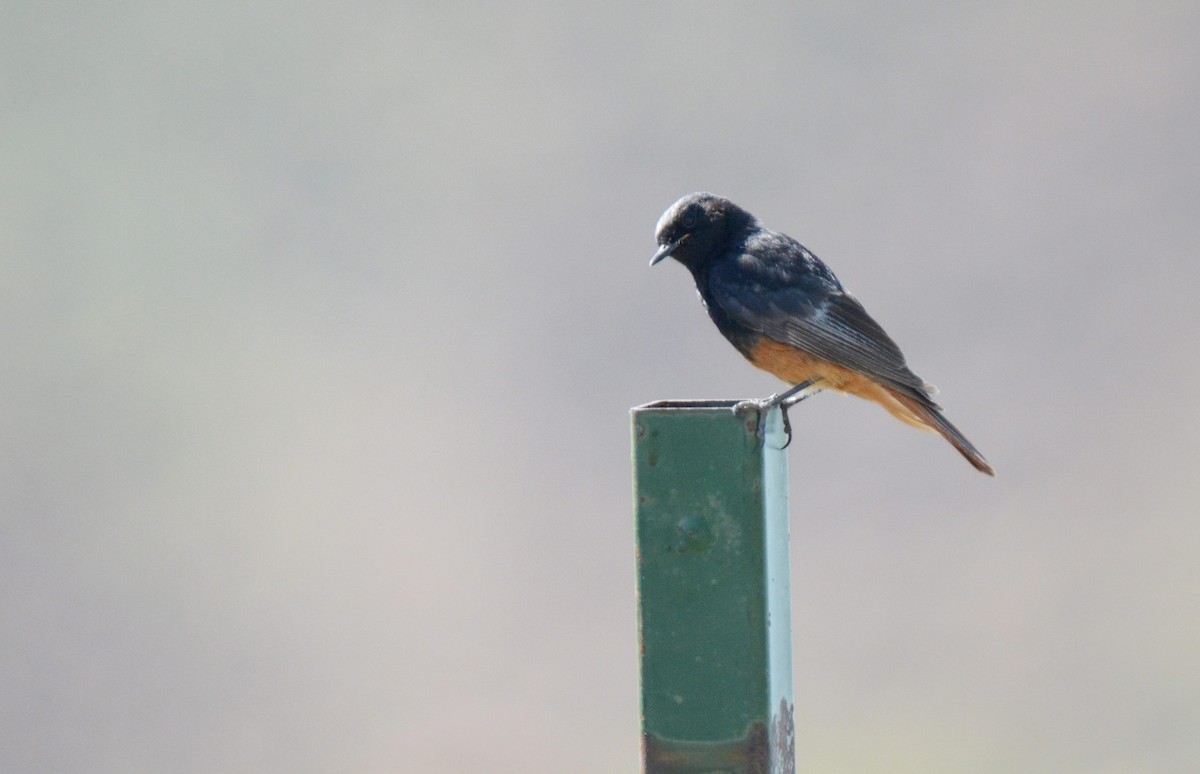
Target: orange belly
[795,366]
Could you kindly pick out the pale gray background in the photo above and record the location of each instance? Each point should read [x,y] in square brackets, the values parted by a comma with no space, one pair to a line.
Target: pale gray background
[321,324]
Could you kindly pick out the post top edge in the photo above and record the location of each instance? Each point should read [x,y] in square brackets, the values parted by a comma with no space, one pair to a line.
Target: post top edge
[685,405]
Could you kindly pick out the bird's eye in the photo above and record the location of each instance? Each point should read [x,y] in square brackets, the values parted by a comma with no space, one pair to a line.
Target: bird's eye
[690,218]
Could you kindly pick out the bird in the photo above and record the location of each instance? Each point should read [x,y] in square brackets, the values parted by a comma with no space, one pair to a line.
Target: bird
[788,314]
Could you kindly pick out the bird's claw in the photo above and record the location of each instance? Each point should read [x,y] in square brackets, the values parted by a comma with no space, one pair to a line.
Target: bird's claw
[787,427]
[761,409]
[784,400]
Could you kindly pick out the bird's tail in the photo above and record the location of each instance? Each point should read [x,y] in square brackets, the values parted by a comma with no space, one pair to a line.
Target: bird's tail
[928,414]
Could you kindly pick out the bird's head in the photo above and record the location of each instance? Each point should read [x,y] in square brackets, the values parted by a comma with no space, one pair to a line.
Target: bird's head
[698,229]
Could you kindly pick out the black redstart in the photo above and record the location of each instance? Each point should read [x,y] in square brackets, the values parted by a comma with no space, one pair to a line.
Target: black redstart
[788,314]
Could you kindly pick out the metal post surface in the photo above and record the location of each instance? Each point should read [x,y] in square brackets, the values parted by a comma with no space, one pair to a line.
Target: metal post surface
[714,590]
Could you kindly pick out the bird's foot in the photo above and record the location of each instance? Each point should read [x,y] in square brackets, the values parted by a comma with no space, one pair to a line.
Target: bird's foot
[760,408]
[784,400]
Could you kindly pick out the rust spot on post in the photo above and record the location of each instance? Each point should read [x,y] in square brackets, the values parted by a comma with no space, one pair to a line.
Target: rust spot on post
[783,747]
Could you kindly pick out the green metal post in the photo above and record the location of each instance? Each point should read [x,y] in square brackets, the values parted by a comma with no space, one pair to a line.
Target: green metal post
[714,591]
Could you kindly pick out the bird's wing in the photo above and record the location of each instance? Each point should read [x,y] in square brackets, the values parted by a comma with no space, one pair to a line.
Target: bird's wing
[793,304]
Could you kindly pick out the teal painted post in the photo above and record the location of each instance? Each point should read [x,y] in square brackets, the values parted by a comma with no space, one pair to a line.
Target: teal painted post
[714,590]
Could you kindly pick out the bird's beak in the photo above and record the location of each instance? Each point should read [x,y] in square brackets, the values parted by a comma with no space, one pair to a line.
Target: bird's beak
[665,250]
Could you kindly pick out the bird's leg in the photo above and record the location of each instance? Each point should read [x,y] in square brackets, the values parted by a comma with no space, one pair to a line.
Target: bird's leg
[786,399]
[787,403]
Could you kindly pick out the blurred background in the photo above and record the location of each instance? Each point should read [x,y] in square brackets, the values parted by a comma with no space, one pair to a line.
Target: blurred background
[321,324]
